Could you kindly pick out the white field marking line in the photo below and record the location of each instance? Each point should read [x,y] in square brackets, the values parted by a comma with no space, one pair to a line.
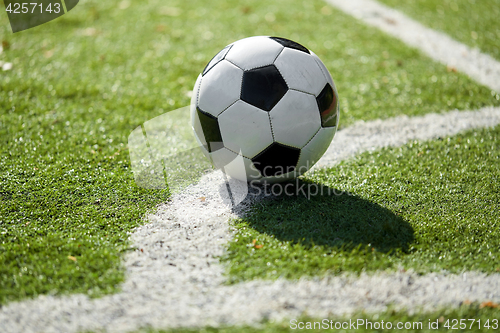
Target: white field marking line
[175,279]
[437,45]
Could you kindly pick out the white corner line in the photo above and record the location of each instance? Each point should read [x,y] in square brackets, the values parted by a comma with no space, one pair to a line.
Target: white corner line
[437,45]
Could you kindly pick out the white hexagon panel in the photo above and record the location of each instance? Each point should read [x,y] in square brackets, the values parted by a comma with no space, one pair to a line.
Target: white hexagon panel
[237,166]
[300,71]
[220,87]
[324,70]
[312,152]
[295,119]
[245,128]
[254,52]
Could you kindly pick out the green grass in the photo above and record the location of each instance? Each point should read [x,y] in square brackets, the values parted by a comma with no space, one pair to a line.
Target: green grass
[473,22]
[470,314]
[427,206]
[80,84]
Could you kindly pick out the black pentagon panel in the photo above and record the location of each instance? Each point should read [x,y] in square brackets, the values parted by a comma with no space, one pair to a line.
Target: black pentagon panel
[291,44]
[277,159]
[263,87]
[327,104]
[215,60]
[211,131]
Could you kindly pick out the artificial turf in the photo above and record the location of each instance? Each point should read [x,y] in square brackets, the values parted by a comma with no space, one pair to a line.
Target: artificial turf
[426,206]
[473,22]
[475,317]
[80,84]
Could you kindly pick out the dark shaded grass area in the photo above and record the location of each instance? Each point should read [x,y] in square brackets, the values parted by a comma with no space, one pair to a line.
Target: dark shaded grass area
[330,218]
[426,206]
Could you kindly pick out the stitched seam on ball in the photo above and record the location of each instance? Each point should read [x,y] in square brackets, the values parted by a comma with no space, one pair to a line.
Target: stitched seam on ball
[317,60]
[300,155]
[241,87]
[248,158]
[301,91]
[229,61]
[198,93]
[228,107]
[319,129]
[283,76]
[232,151]
[278,54]
[288,145]
[271,124]
[272,63]
[260,66]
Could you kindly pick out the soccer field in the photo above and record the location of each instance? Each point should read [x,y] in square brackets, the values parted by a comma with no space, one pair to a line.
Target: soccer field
[82,248]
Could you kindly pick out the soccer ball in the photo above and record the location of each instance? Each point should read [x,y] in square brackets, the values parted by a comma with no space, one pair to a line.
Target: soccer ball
[268,101]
